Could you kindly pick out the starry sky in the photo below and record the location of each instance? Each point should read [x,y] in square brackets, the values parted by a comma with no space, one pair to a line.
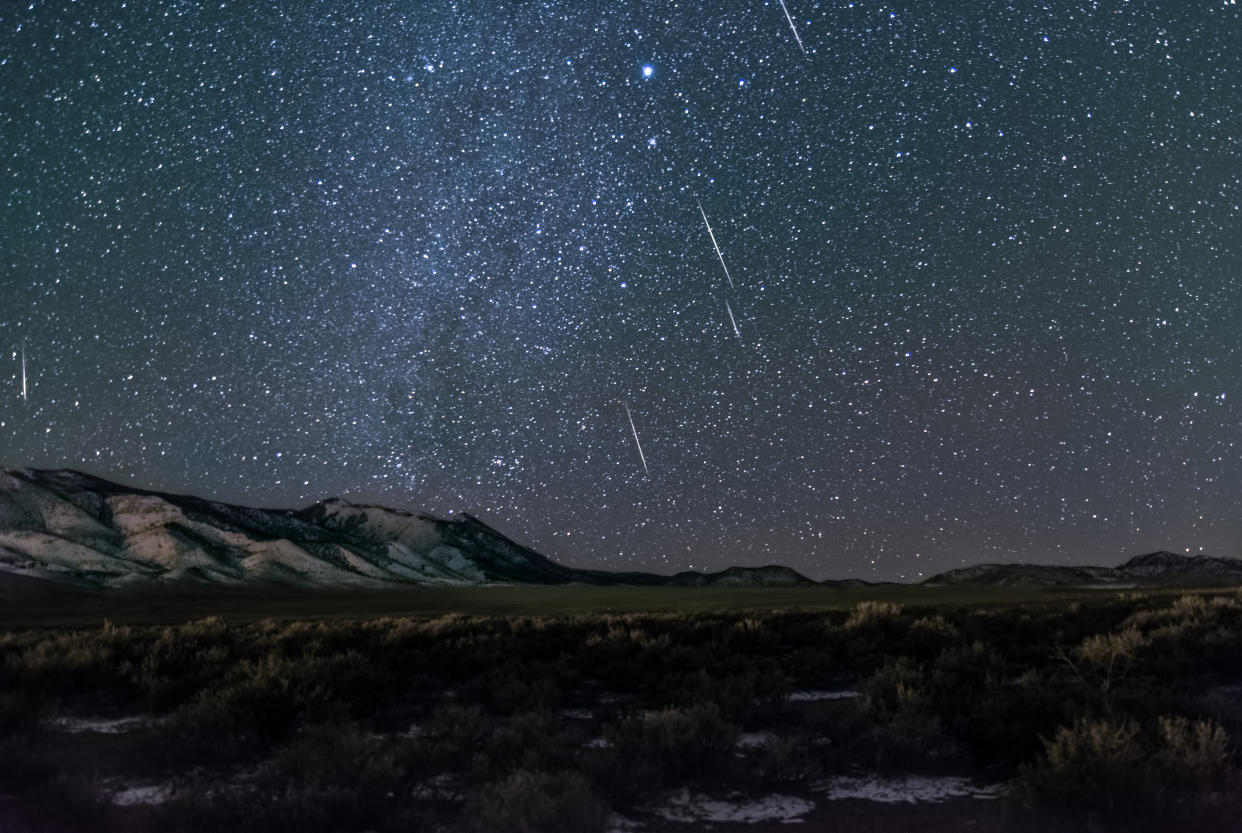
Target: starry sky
[982,304]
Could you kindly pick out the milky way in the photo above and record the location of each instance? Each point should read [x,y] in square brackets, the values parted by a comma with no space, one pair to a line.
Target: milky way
[986,263]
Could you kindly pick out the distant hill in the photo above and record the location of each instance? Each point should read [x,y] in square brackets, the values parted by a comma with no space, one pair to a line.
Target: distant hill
[1160,568]
[73,528]
[771,576]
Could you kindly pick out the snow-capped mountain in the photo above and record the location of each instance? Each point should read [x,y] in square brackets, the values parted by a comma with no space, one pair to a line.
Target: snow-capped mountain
[75,528]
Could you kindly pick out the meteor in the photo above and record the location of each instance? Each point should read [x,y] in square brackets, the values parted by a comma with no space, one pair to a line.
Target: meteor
[793,28]
[732,320]
[641,456]
[715,245]
[23,372]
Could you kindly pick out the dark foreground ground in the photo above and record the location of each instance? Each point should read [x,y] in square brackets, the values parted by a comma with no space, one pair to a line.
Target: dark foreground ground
[620,709]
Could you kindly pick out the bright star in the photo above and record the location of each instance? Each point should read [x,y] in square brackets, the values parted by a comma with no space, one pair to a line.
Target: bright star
[648,69]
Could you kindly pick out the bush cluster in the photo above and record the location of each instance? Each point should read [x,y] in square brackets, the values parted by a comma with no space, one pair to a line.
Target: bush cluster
[531,723]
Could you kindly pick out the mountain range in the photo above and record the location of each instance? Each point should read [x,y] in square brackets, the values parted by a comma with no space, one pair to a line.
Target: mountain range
[74,528]
[1163,568]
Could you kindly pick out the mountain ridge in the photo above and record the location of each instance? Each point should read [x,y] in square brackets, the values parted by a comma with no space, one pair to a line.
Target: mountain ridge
[1168,568]
[76,528]
[66,526]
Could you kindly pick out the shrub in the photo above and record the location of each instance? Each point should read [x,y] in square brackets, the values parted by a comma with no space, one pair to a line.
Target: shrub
[532,741]
[540,802]
[1110,656]
[227,723]
[870,614]
[1192,754]
[1189,607]
[786,760]
[1003,724]
[486,692]
[899,725]
[1088,764]
[929,636]
[1104,663]
[666,748]
[333,777]
[898,685]
[873,631]
[199,733]
[1109,766]
[746,696]
[453,735]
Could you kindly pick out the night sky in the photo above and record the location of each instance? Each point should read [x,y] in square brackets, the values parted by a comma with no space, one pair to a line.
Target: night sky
[986,263]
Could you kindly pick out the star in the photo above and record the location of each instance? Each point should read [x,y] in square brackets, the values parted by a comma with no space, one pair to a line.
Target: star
[435,239]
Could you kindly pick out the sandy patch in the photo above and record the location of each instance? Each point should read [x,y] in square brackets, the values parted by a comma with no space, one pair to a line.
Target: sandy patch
[149,794]
[813,696]
[754,740]
[445,787]
[694,808]
[103,726]
[910,789]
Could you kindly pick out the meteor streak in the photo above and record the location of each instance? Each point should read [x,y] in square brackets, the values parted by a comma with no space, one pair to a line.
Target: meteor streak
[641,456]
[715,245]
[793,28]
[23,372]
[732,320]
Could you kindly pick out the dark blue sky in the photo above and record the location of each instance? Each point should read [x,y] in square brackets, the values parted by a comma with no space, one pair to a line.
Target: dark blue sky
[986,262]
